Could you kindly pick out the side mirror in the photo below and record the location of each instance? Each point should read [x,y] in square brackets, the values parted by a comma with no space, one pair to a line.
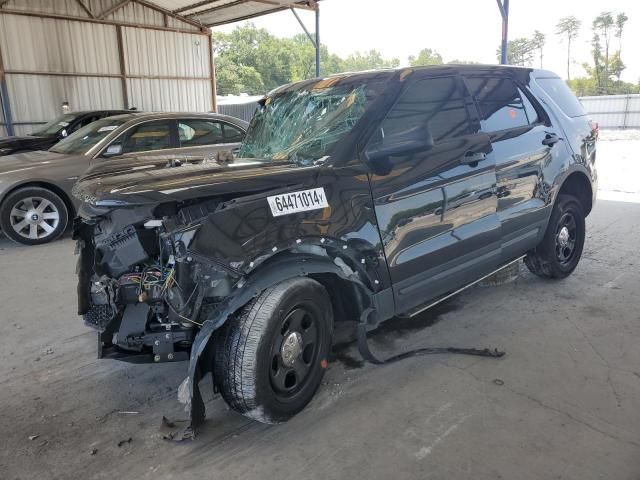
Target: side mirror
[410,141]
[113,150]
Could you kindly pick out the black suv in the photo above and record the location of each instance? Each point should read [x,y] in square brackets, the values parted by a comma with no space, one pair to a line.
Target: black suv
[353,197]
[51,133]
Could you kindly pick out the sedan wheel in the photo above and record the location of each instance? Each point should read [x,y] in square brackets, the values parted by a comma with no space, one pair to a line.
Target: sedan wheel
[33,215]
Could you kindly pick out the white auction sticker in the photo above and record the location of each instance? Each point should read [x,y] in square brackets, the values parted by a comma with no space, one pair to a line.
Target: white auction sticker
[294,202]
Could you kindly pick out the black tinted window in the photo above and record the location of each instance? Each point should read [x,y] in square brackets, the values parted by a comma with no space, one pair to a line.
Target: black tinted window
[148,136]
[232,134]
[499,103]
[436,102]
[557,89]
[199,132]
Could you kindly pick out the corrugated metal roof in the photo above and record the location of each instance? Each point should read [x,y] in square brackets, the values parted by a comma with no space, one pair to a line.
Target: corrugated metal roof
[183,14]
[218,12]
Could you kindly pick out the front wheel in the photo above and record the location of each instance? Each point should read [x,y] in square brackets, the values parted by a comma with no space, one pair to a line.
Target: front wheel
[558,254]
[270,358]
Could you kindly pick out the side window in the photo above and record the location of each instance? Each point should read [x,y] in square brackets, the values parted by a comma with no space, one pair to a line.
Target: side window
[232,134]
[435,102]
[499,103]
[558,90]
[147,136]
[199,132]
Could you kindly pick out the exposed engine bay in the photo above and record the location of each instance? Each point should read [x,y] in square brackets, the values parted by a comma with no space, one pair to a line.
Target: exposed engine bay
[141,287]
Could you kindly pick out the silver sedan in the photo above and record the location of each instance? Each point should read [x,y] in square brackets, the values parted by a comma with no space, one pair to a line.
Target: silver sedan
[35,187]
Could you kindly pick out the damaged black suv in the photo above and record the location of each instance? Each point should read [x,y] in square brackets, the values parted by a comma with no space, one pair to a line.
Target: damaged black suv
[353,197]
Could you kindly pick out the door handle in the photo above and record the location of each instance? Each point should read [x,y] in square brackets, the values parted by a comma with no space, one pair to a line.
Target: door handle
[550,139]
[473,157]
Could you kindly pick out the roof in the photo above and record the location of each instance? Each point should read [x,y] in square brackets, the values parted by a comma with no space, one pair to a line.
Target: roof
[177,14]
[164,115]
[211,13]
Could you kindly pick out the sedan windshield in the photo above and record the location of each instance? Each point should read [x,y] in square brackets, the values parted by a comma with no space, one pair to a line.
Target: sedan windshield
[85,138]
[55,126]
[304,124]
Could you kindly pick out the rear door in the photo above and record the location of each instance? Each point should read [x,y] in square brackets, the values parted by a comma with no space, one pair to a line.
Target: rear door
[436,209]
[523,142]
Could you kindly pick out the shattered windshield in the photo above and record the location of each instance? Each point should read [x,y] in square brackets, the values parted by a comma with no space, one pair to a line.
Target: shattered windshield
[303,125]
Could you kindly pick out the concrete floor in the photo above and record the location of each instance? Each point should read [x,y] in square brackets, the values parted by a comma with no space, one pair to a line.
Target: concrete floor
[563,404]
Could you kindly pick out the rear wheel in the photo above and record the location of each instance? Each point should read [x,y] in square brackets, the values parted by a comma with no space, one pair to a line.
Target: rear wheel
[33,215]
[558,254]
[271,357]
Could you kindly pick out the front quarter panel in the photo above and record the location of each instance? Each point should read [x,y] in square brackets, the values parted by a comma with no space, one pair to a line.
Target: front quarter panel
[245,233]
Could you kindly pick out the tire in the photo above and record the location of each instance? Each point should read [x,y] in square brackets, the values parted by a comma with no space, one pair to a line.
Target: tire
[256,371]
[558,254]
[33,215]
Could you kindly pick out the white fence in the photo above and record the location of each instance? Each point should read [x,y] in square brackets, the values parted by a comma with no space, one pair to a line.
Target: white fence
[614,111]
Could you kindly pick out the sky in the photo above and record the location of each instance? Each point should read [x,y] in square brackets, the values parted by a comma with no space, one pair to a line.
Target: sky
[458,29]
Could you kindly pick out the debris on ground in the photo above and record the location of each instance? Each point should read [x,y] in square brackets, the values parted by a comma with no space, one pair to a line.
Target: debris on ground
[175,431]
[498,382]
[122,442]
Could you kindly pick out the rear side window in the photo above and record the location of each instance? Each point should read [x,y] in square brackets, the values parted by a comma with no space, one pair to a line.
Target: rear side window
[232,134]
[436,102]
[195,132]
[557,89]
[499,103]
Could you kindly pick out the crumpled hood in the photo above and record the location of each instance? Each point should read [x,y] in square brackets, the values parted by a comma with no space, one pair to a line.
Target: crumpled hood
[155,180]
[29,160]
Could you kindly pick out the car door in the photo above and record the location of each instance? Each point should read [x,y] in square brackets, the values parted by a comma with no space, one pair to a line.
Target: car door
[523,142]
[436,208]
[205,136]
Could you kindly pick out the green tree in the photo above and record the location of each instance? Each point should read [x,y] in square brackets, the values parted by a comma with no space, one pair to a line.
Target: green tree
[602,26]
[462,62]
[234,79]
[539,39]
[426,56]
[519,51]
[621,20]
[370,60]
[569,27]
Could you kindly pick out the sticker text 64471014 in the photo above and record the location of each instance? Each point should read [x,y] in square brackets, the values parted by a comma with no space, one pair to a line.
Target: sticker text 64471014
[294,202]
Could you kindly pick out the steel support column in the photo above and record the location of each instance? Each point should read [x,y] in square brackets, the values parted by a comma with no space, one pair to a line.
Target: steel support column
[503,5]
[314,39]
[317,40]
[5,103]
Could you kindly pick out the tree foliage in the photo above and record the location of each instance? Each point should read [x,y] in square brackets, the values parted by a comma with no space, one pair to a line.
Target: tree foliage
[252,60]
[426,56]
[568,27]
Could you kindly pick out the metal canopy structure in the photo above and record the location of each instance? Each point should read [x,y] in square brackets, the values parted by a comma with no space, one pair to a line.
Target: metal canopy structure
[212,13]
[99,54]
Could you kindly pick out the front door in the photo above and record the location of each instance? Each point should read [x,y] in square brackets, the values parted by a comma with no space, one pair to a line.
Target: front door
[436,209]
